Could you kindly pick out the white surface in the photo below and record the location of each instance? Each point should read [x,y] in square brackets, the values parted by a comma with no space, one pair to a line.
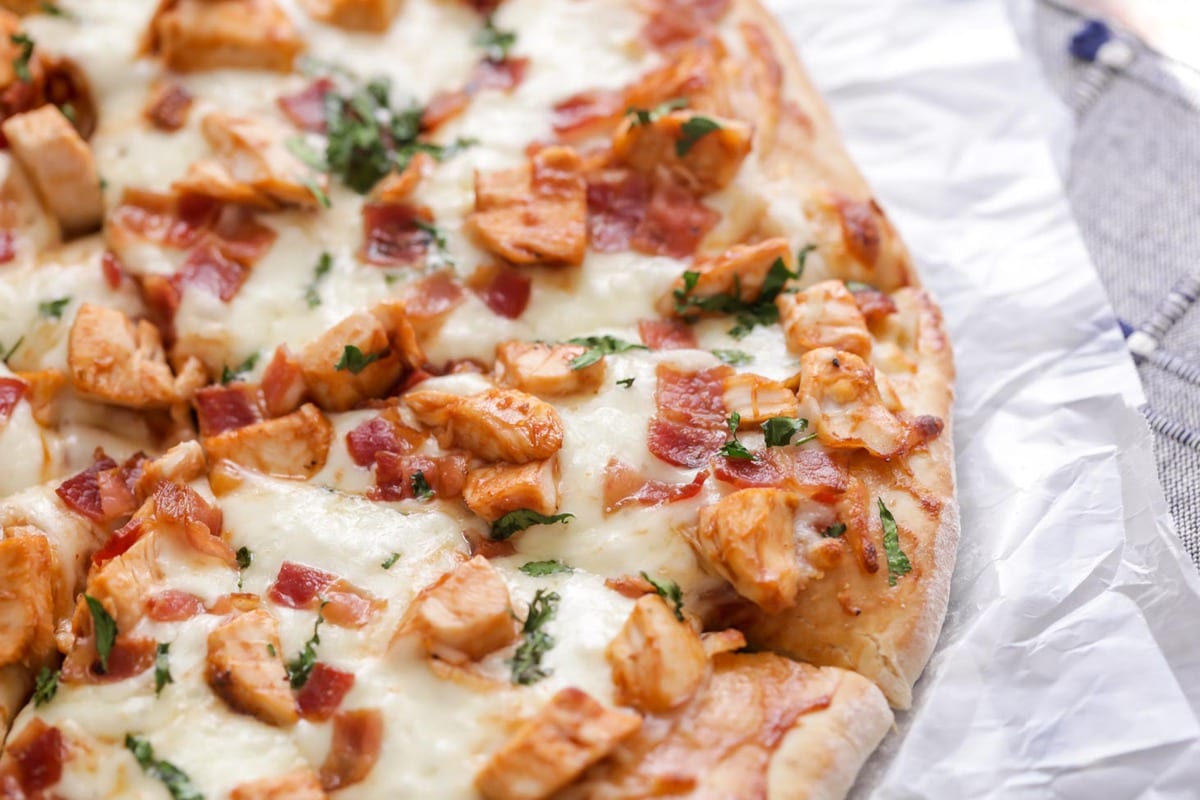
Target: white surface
[1069,665]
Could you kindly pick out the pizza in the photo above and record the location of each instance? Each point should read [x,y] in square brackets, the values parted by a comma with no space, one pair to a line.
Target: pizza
[503,399]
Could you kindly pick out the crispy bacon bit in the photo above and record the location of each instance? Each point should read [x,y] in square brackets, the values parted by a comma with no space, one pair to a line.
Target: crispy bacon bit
[168,107]
[116,495]
[379,434]
[226,408]
[181,508]
[690,424]
[302,586]
[428,300]
[744,473]
[675,222]
[34,761]
[684,445]
[240,236]
[306,108]
[11,392]
[807,470]
[391,235]
[587,112]
[357,741]
[208,268]
[443,107]
[667,334]
[120,541]
[129,656]
[173,605]
[82,492]
[8,246]
[617,200]
[504,75]
[394,472]
[323,692]
[625,486]
[112,268]
[176,222]
[504,290]
[676,22]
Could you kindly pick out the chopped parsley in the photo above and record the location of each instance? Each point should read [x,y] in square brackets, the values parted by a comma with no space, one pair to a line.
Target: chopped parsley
[692,131]
[780,430]
[55,10]
[897,563]
[316,191]
[365,137]
[421,488]
[538,569]
[494,41]
[526,662]
[271,650]
[834,531]
[12,350]
[522,518]
[598,347]
[354,360]
[20,64]
[45,687]
[626,382]
[300,667]
[301,149]
[645,116]
[312,294]
[244,559]
[175,779]
[68,111]
[859,286]
[733,448]
[734,358]
[670,592]
[229,375]
[53,309]
[390,561]
[162,667]
[105,628]
[802,258]
[749,313]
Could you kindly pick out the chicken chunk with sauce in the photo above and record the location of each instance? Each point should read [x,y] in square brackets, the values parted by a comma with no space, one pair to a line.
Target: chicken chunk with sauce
[198,35]
[658,662]
[355,15]
[824,315]
[738,272]
[26,598]
[493,491]
[292,446]
[705,152]
[60,165]
[245,669]
[496,425]
[466,614]
[545,369]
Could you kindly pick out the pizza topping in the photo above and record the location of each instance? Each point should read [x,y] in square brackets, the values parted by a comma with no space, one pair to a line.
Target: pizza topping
[173,605]
[779,431]
[357,742]
[744,280]
[355,15]
[176,780]
[824,315]
[571,733]
[669,591]
[196,35]
[897,562]
[168,107]
[499,424]
[526,662]
[503,74]
[588,112]
[27,603]
[380,434]
[748,538]
[466,614]
[676,22]
[323,692]
[555,370]
[704,153]
[396,234]
[493,492]
[301,667]
[226,408]
[674,222]
[756,400]
[851,413]
[60,165]
[301,785]
[429,300]
[517,521]
[45,687]
[295,445]
[691,420]
[162,667]
[657,660]
[306,108]
[667,334]
[11,392]
[625,486]
[245,674]
[874,304]
[33,760]
[504,290]
[535,214]
[342,603]
[283,386]
[539,569]
[400,476]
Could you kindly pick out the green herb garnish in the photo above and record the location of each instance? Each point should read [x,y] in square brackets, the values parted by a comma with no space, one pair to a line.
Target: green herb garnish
[20,64]
[668,590]
[494,41]
[897,563]
[312,294]
[105,628]
[780,430]
[300,667]
[162,667]
[526,662]
[538,569]
[175,779]
[733,448]
[626,382]
[420,486]
[229,375]
[645,116]
[692,131]
[834,531]
[354,360]
[734,358]
[522,518]
[53,309]
[749,313]
[45,686]
[598,347]
[390,561]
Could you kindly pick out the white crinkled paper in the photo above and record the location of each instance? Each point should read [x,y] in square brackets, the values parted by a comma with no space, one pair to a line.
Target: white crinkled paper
[1069,665]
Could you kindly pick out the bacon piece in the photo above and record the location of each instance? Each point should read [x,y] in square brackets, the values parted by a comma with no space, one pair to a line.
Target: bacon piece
[171,221]
[113,269]
[306,108]
[684,445]
[690,424]
[226,408]
[33,761]
[617,201]
[676,22]
[809,471]
[209,269]
[357,742]
[625,486]
[443,107]
[130,655]
[378,434]
[302,586]
[82,491]
[11,392]
[667,334]
[283,386]
[168,107]
[763,471]
[180,509]
[8,246]
[394,473]
[504,290]
[173,605]
[323,692]
[241,237]
[588,112]
[119,542]
[430,299]
[675,221]
[392,235]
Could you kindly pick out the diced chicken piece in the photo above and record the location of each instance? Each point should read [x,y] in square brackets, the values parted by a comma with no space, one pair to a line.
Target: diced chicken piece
[402,337]
[658,661]
[283,386]
[44,389]
[354,748]
[113,360]
[355,15]
[122,583]
[692,73]
[466,614]
[849,410]
[61,166]
[535,214]
[208,177]
[739,272]
[351,362]
[197,35]
[253,161]
[26,600]
[183,463]
[824,315]
[496,425]
[727,641]
[758,399]
[705,151]
[491,492]
[34,228]
[545,370]
[243,672]
[749,539]
[571,733]
[301,785]
[294,446]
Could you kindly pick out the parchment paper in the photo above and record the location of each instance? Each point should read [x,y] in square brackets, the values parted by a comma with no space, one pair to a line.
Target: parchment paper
[1069,665]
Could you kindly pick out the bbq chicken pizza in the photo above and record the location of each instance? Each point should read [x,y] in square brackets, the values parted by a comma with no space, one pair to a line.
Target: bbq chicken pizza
[504,399]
